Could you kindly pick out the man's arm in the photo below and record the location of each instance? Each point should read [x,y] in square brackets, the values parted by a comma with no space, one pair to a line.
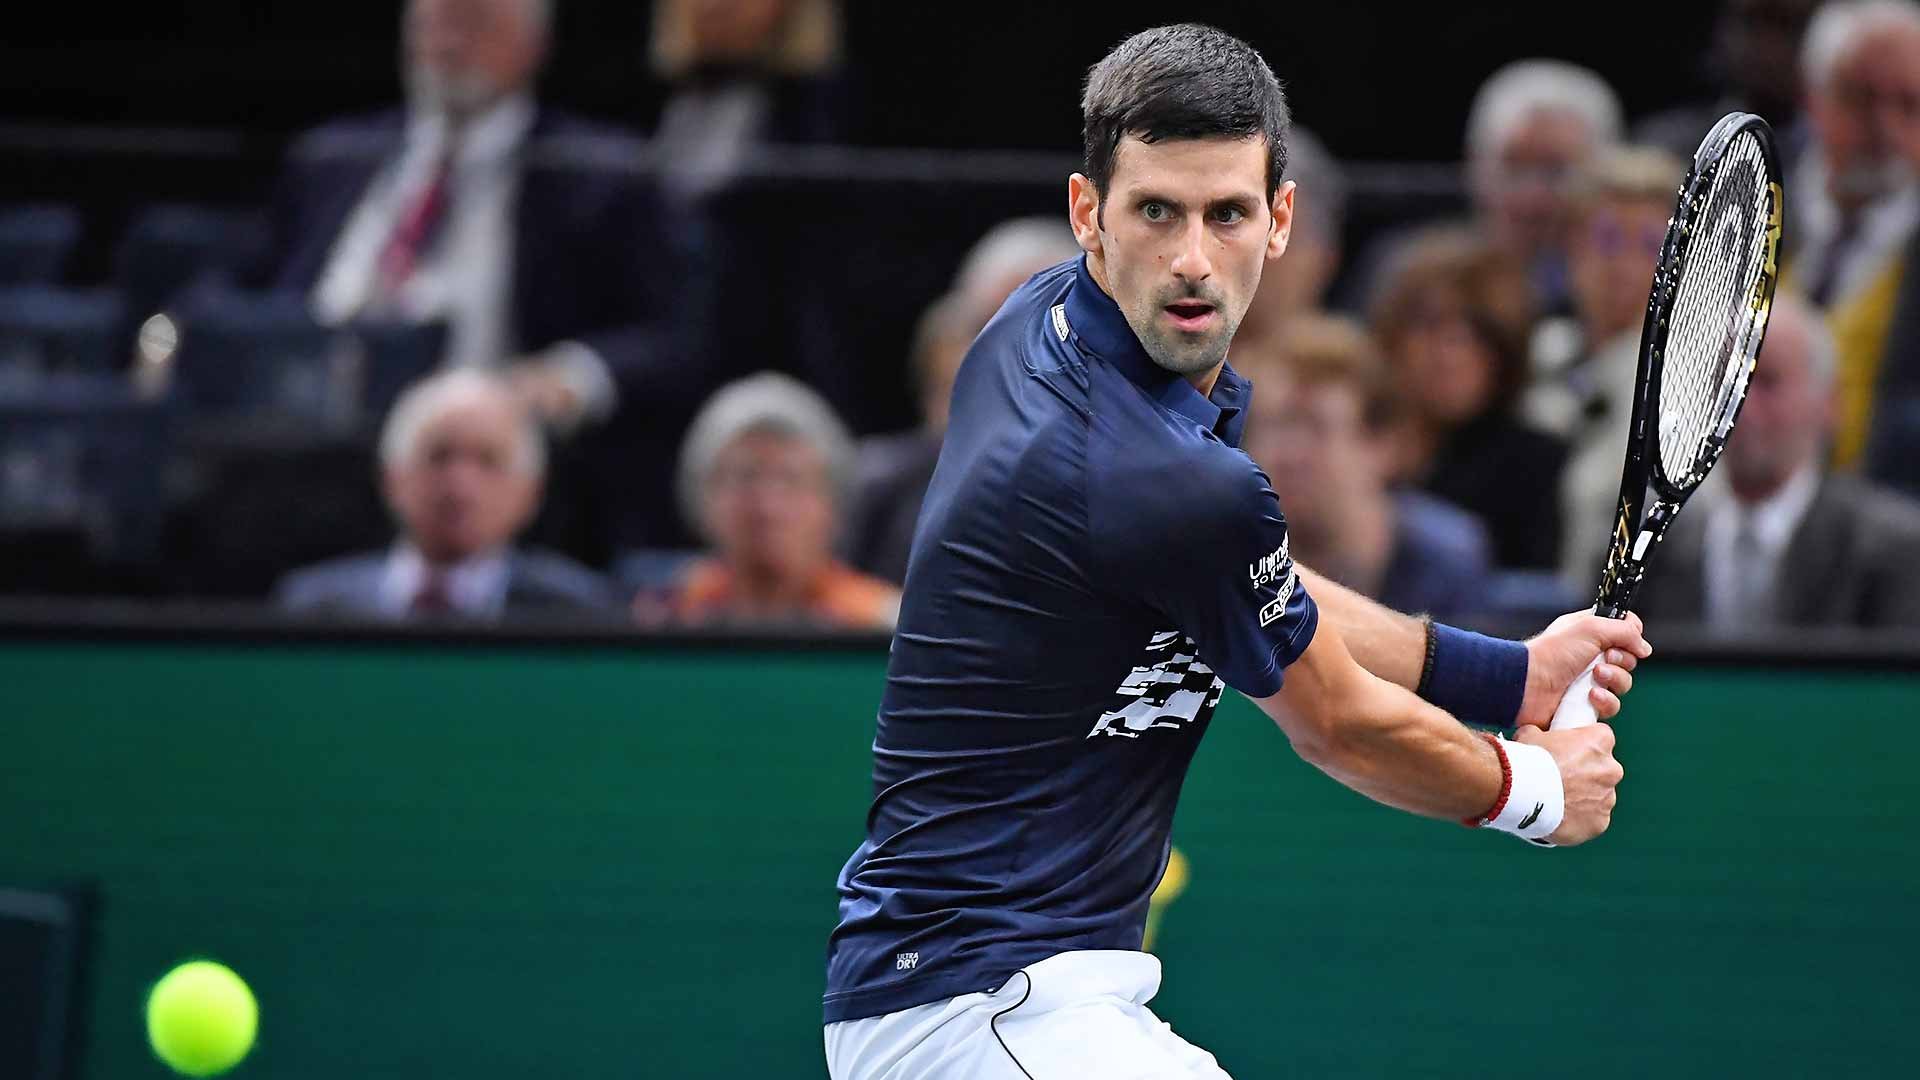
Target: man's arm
[1393,647]
[1382,741]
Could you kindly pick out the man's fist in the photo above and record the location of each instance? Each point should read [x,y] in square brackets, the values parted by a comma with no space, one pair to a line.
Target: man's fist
[1558,654]
[1589,776]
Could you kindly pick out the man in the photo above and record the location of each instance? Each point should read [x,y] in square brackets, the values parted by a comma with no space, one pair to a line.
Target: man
[1091,514]
[1533,126]
[1321,428]
[522,229]
[462,462]
[1856,201]
[1780,541]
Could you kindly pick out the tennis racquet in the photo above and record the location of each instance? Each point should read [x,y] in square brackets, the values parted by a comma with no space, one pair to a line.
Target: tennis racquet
[1706,316]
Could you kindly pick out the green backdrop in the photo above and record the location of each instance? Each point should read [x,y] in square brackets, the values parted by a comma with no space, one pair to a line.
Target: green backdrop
[484,861]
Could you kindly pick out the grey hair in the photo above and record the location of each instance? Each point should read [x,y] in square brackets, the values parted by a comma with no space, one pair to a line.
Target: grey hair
[1524,87]
[1837,27]
[767,402]
[1323,183]
[426,400]
[1019,247]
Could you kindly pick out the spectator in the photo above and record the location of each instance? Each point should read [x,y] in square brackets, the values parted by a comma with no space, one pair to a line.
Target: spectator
[1779,540]
[1452,314]
[1854,201]
[462,463]
[892,472]
[1319,426]
[762,477]
[1622,202]
[1752,62]
[1299,282]
[478,207]
[1533,125]
[744,73]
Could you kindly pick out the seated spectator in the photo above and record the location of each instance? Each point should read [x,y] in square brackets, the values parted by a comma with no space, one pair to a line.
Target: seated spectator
[761,477]
[1778,540]
[1319,426]
[479,207]
[1452,315]
[1854,201]
[1532,127]
[1620,220]
[892,471]
[462,463]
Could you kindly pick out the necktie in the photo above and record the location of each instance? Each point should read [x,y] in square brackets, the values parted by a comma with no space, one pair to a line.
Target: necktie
[1750,592]
[432,597]
[415,228]
[1826,276]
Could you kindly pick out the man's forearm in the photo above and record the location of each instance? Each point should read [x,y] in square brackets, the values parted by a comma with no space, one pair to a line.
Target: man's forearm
[1391,645]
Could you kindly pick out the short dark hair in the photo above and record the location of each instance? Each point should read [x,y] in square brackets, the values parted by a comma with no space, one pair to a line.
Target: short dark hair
[1181,82]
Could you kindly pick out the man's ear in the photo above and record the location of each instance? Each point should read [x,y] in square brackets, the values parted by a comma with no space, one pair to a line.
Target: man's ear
[1282,226]
[1083,212]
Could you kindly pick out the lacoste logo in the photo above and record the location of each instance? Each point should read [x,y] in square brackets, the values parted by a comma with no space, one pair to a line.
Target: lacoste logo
[1533,817]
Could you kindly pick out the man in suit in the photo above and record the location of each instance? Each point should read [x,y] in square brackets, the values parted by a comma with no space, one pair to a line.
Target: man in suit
[1777,540]
[524,230]
[462,462]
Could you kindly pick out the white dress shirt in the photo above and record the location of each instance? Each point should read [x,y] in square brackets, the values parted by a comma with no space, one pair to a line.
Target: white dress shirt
[1727,570]
[1883,227]
[476,588]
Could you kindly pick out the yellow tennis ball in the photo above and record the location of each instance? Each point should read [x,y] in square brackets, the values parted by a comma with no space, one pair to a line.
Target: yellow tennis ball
[201,1018]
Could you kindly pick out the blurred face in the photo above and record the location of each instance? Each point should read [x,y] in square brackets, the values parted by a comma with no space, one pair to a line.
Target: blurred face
[1311,441]
[734,29]
[1448,369]
[463,55]
[1788,412]
[1615,246]
[462,490]
[1867,115]
[770,508]
[1179,241]
[1522,187]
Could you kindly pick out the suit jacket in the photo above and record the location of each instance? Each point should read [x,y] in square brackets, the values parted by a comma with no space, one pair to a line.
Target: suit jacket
[1441,558]
[890,481]
[537,583]
[594,261]
[1850,563]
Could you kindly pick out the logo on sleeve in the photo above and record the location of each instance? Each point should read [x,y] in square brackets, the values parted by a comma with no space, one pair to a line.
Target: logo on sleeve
[1274,571]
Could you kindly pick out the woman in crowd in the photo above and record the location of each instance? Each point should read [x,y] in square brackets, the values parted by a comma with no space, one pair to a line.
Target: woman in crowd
[1453,316]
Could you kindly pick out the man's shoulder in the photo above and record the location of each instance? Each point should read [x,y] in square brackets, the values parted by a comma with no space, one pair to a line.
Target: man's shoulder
[538,576]
[1881,518]
[359,137]
[1437,527]
[348,579]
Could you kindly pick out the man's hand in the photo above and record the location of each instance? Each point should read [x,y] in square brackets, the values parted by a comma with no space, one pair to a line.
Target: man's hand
[1589,776]
[545,392]
[1558,654]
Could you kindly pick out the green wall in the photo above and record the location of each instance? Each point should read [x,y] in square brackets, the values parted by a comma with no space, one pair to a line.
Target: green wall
[602,862]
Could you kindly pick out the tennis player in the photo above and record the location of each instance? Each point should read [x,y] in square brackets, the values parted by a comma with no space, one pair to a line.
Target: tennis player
[1094,560]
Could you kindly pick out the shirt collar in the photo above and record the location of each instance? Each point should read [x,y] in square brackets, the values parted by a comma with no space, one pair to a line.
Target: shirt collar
[476,586]
[1775,517]
[1097,325]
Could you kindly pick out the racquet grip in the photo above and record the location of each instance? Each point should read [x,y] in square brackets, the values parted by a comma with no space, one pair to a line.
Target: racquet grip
[1576,710]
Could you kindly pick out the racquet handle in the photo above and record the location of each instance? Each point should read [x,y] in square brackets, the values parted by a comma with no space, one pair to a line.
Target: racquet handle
[1575,709]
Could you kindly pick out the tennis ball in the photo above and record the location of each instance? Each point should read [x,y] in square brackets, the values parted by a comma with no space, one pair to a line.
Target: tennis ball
[201,1018]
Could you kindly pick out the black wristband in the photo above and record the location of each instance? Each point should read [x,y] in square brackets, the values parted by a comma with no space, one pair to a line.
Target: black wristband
[1426,668]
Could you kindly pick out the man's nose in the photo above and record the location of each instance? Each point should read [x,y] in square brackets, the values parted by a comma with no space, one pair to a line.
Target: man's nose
[1191,263]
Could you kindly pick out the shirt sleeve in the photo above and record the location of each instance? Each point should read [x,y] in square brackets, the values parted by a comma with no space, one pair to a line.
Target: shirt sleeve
[1216,562]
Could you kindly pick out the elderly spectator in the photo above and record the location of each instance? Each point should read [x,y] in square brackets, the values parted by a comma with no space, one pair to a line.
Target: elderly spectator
[461,464]
[1621,205]
[477,207]
[1854,202]
[1299,282]
[1452,315]
[1319,426]
[1533,125]
[1751,63]
[891,475]
[762,477]
[1780,541]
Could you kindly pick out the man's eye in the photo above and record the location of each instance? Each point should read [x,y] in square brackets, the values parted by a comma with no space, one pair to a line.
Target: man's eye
[1154,211]
[1229,215]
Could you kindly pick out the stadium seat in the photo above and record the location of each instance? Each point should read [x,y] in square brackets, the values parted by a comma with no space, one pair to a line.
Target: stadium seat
[83,455]
[244,353]
[42,941]
[167,248]
[36,242]
[393,356]
[45,329]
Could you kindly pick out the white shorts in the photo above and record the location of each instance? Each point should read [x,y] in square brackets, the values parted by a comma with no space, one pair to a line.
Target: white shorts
[1075,1014]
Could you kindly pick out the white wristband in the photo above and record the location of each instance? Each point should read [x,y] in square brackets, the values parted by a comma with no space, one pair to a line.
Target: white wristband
[1536,803]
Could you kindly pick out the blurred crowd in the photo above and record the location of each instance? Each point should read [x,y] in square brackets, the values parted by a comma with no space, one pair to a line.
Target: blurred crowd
[573,413]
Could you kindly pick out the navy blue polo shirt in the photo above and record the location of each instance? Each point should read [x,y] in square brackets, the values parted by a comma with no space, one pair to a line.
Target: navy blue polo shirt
[1094,559]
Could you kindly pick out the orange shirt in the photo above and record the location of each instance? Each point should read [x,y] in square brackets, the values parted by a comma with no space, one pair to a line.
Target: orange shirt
[839,597]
